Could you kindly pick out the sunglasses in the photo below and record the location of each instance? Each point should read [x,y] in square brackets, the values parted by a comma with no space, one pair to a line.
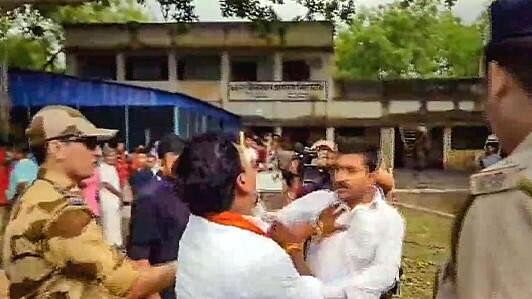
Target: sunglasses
[90,142]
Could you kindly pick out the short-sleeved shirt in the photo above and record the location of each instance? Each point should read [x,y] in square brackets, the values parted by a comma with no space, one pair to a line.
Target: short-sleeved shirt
[53,247]
[90,192]
[24,171]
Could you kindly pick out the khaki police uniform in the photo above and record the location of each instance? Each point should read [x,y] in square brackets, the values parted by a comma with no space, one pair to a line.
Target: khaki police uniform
[53,247]
[492,237]
[494,249]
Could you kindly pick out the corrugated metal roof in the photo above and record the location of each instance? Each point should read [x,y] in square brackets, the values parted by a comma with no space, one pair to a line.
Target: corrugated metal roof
[31,89]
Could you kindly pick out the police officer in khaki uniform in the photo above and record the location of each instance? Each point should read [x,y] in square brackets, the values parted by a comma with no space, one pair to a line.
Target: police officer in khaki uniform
[53,247]
[493,237]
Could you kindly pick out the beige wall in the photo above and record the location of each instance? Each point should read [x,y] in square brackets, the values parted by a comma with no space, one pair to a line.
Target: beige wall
[397,107]
[463,159]
[205,90]
[352,109]
[200,35]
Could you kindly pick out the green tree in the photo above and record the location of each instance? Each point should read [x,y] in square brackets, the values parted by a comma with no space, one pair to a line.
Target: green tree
[31,37]
[39,24]
[418,39]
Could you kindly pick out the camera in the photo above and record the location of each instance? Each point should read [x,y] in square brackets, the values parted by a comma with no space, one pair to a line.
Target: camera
[315,176]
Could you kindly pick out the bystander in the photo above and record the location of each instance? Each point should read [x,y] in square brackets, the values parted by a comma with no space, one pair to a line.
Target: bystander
[110,198]
[24,172]
[158,216]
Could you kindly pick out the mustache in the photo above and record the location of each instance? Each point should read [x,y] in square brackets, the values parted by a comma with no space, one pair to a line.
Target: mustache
[341,185]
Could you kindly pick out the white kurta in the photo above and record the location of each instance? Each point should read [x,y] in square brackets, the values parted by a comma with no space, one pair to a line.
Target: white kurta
[110,206]
[219,261]
[362,262]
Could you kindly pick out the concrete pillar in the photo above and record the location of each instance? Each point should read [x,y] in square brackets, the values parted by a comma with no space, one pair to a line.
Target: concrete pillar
[387,152]
[447,133]
[329,134]
[176,121]
[328,62]
[278,131]
[204,124]
[172,66]
[120,67]
[225,74]
[72,64]
[278,66]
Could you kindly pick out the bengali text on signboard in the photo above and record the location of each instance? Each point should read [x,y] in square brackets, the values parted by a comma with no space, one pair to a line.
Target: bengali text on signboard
[277,91]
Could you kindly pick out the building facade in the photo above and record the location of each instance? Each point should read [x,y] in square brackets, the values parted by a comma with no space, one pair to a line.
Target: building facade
[280,78]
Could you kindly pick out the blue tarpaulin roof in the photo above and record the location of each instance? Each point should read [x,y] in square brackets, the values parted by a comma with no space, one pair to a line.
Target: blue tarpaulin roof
[35,89]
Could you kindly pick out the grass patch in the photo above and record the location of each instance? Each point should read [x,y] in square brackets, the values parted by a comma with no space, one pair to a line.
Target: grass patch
[426,247]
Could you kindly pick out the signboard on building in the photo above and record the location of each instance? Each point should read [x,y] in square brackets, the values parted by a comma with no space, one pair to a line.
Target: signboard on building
[278,91]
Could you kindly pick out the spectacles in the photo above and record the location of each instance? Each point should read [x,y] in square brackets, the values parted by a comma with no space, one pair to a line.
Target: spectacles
[90,142]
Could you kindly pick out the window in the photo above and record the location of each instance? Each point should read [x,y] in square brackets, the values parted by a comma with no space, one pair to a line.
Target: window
[147,68]
[296,70]
[97,67]
[244,71]
[206,68]
[463,138]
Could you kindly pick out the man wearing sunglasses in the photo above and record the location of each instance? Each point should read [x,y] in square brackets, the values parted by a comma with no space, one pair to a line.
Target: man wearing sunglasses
[53,247]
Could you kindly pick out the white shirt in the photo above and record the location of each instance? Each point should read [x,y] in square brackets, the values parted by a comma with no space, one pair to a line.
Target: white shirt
[109,175]
[251,154]
[364,260]
[219,261]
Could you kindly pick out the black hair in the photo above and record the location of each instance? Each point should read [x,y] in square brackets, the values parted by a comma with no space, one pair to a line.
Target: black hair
[141,150]
[513,54]
[207,171]
[371,156]
[39,152]
[289,177]
[21,148]
[170,143]
[248,133]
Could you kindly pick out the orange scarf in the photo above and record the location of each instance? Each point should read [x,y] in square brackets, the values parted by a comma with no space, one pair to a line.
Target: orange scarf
[236,220]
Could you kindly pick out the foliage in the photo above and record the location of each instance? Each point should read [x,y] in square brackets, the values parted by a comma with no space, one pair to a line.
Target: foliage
[421,39]
[256,10]
[37,29]
[32,36]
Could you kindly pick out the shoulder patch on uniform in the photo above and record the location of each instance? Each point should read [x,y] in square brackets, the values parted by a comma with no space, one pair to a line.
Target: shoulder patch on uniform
[525,185]
[495,180]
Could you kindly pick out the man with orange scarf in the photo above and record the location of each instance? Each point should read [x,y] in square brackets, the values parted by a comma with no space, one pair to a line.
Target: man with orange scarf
[224,252]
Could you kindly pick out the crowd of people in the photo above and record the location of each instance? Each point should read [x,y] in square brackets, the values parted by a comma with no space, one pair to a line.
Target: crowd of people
[193,219]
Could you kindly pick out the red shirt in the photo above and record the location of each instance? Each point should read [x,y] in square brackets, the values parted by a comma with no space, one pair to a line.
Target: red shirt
[4,178]
[122,168]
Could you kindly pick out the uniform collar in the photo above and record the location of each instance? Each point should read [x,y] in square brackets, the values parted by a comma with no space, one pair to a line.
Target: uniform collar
[59,179]
[524,146]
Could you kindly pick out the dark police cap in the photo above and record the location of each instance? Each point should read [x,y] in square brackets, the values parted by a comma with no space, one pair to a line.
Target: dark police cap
[510,18]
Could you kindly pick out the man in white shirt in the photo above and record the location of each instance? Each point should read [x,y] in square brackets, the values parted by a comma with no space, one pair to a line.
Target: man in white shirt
[362,261]
[110,199]
[224,252]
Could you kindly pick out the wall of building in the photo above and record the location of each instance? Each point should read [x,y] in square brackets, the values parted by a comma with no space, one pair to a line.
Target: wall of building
[200,35]
[463,160]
